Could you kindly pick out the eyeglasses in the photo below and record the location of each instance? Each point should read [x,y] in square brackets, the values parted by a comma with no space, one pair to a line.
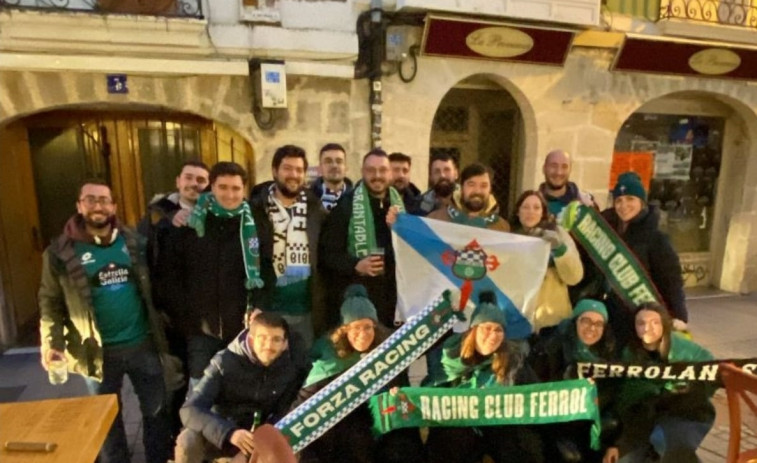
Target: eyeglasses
[274,339]
[586,322]
[92,200]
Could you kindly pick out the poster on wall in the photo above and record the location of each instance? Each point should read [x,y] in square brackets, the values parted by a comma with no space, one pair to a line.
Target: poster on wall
[260,11]
[640,162]
[644,145]
[672,162]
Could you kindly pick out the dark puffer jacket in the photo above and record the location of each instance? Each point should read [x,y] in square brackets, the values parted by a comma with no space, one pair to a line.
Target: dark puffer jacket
[235,385]
[653,250]
[203,279]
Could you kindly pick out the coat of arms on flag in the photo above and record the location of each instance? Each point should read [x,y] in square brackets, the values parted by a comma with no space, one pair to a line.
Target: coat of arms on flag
[434,255]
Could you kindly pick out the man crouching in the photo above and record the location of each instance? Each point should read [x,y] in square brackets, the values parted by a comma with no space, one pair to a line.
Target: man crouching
[257,375]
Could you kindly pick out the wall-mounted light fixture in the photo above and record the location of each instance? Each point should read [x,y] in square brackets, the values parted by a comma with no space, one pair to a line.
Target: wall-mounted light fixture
[269,91]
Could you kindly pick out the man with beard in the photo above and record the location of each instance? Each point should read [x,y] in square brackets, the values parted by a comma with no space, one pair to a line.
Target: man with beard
[401,164]
[559,191]
[473,204]
[442,178]
[289,219]
[557,188]
[332,183]
[356,242]
[212,266]
[97,316]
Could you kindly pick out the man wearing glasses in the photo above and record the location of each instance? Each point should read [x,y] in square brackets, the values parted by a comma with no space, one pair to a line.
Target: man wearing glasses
[356,241]
[253,381]
[97,317]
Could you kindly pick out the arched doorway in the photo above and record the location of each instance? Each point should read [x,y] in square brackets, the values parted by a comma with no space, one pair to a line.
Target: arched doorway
[45,156]
[478,120]
[694,147]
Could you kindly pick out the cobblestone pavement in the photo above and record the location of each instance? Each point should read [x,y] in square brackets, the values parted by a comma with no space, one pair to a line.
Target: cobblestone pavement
[724,323]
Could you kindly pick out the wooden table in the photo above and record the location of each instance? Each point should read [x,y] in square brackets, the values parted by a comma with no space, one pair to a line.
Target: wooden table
[78,425]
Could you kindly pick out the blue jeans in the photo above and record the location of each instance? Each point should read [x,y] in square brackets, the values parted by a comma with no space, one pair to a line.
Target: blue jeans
[674,439]
[142,364]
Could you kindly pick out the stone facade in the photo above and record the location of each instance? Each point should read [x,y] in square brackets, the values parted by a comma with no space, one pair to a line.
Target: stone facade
[580,108]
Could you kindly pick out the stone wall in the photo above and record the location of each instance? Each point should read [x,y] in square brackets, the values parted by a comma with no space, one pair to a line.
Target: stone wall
[321,110]
[581,107]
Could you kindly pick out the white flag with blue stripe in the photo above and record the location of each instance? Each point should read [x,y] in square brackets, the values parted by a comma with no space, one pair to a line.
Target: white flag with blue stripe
[433,255]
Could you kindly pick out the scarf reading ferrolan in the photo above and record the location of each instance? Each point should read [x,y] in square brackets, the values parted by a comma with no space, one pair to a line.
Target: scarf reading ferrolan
[626,275]
[361,232]
[679,371]
[318,414]
[543,403]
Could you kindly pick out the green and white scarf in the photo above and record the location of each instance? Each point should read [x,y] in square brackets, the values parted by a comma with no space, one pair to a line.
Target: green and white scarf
[627,277]
[247,232]
[542,403]
[361,233]
[291,250]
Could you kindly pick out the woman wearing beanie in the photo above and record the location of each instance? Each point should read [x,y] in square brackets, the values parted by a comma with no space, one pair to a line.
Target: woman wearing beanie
[351,440]
[482,357]
[565,268]
[661,419]
[582,338]
[637,224]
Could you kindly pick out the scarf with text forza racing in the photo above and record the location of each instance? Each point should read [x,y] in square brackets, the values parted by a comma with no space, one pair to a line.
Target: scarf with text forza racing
[331,404]
[541,403]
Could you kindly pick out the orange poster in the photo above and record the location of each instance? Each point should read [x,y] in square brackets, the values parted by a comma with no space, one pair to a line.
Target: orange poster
[641,162]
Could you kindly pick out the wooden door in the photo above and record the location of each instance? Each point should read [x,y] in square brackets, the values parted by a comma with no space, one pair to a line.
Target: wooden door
[20,239]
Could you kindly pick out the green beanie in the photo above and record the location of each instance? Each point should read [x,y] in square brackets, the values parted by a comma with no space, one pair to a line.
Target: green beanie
[356,305]
[590,305]
[487,310]
[629,184]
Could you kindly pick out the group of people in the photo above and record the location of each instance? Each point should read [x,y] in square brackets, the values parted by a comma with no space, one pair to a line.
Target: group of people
[262,300]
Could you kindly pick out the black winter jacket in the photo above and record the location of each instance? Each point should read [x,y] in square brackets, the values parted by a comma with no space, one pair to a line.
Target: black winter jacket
[654,251]
[339,265]
[203,279]
[235,385]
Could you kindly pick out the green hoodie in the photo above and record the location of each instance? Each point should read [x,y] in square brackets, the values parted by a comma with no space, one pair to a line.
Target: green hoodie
[327,363]
[454,372]
[692,403]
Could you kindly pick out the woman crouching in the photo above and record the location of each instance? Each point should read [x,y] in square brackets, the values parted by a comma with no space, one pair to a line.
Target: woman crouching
[661,419]
[351,439]
[482,357]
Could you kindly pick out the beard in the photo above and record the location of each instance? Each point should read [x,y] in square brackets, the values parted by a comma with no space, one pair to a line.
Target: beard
[286,191]
[98,225]
[377,187]
[444,188]
[474,203]
[554,186]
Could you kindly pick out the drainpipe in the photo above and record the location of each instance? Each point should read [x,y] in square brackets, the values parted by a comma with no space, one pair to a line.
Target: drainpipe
[374,76]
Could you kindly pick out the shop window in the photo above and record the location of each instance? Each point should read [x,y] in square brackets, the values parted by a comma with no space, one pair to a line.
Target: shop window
[684,154]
